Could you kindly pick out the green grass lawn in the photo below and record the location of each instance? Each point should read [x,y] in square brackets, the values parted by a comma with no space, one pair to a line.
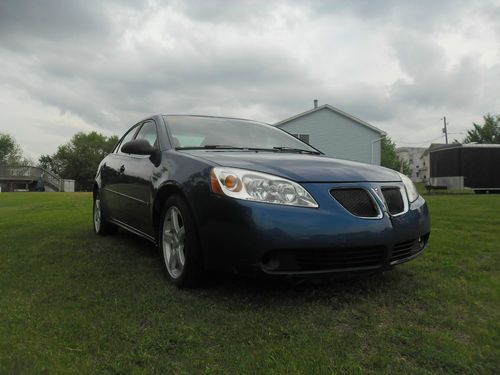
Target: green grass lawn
[72,302]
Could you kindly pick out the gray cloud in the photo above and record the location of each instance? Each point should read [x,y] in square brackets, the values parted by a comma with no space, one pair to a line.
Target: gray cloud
[385,61]
[22,21]
[433,84]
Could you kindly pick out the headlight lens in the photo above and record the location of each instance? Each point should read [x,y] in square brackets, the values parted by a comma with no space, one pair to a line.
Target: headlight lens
[259,187]
[411,189]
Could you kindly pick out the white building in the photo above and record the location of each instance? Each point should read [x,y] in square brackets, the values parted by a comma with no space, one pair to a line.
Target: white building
[419,164]
[336,133]
[425,159]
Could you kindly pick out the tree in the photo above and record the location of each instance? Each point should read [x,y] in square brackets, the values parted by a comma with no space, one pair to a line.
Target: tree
[10,151]
[45,161]
[489,132]
[78,159]
[390,158]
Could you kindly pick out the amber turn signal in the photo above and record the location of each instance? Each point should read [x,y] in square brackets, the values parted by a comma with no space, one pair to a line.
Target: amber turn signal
[215,184]
[232,183]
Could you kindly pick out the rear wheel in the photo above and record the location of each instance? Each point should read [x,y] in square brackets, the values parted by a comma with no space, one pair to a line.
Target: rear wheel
[101,226]
[179,245]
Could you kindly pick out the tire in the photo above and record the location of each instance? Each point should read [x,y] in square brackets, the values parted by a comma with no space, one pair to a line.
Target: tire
[100,225]
[178,243]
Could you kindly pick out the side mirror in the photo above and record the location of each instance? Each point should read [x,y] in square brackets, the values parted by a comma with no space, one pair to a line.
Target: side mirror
[138,147]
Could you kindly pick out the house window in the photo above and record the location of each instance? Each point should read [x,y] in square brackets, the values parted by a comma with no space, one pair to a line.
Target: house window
[302,137]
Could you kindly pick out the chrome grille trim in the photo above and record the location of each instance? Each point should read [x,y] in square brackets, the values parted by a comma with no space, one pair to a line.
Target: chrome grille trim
[402,191]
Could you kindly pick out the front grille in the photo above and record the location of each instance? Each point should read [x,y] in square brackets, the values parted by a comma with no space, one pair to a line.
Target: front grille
[323,259]
[402,250]
[394,200]
[357,201]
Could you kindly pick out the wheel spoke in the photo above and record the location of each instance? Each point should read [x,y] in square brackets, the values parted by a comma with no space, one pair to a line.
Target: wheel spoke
[180,255]
[175,220]
[97,215]
[181,235]
[172,262]
[174,237]
[168,236]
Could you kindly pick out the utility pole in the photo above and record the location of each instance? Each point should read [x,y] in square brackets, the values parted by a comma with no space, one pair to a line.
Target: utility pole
[445,131]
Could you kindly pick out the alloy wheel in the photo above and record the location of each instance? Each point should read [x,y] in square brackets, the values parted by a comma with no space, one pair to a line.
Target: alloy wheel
[174,238]
[97,215]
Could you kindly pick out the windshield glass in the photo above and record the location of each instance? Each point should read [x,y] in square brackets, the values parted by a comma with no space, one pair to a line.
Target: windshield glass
[194,132]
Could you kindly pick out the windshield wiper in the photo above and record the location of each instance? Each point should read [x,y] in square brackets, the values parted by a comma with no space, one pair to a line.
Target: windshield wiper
[228,147]
[211,147]
[299,150]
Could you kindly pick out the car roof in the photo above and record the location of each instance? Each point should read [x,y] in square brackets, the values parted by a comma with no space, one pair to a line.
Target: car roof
[215,117]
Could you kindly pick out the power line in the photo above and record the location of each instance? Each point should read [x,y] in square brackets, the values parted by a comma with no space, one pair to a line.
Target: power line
[418,143]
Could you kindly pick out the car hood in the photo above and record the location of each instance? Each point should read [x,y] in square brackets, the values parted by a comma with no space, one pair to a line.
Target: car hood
[299,167]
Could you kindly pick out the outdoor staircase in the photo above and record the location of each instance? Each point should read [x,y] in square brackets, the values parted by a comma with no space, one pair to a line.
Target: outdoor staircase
[26,178]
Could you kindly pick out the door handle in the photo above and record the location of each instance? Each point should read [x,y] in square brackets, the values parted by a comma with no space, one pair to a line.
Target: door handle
[122,169]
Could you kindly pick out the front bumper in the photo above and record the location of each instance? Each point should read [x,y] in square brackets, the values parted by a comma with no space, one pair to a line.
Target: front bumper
[251,237]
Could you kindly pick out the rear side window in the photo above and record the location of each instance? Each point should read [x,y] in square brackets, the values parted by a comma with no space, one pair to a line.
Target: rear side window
[128,137]
[148,132]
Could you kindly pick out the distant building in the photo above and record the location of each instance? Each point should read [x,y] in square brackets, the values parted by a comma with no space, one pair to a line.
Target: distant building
[336,133]
[419,166]
[27,178]
[425,158]
[473,166]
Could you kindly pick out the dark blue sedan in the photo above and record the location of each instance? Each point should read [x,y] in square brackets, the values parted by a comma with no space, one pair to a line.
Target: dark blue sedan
[225,194]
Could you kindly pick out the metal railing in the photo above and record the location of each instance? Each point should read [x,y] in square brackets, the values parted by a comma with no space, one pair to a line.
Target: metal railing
[32,173]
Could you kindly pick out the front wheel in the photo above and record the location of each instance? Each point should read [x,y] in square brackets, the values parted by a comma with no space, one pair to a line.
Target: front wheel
[179,245]
[101,226]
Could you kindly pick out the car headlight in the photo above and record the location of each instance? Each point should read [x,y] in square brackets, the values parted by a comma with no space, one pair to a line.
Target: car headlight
[411,189]
[259,187]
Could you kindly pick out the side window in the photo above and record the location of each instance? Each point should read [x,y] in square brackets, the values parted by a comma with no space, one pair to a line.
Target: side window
[302,137]
[128,137]
[148,132]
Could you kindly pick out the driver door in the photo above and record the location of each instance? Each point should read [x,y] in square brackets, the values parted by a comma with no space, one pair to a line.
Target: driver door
[136,182]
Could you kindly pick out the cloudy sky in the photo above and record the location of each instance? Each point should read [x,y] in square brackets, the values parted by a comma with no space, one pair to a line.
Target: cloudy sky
[69,66]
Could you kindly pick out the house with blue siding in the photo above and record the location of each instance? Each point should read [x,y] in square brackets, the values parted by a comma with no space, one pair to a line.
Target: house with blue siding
[336,133]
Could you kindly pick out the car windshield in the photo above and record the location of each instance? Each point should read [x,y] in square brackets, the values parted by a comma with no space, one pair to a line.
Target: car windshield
[227,133]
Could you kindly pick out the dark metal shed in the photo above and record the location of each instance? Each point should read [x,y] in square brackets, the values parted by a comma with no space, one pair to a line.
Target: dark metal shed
[474,166]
